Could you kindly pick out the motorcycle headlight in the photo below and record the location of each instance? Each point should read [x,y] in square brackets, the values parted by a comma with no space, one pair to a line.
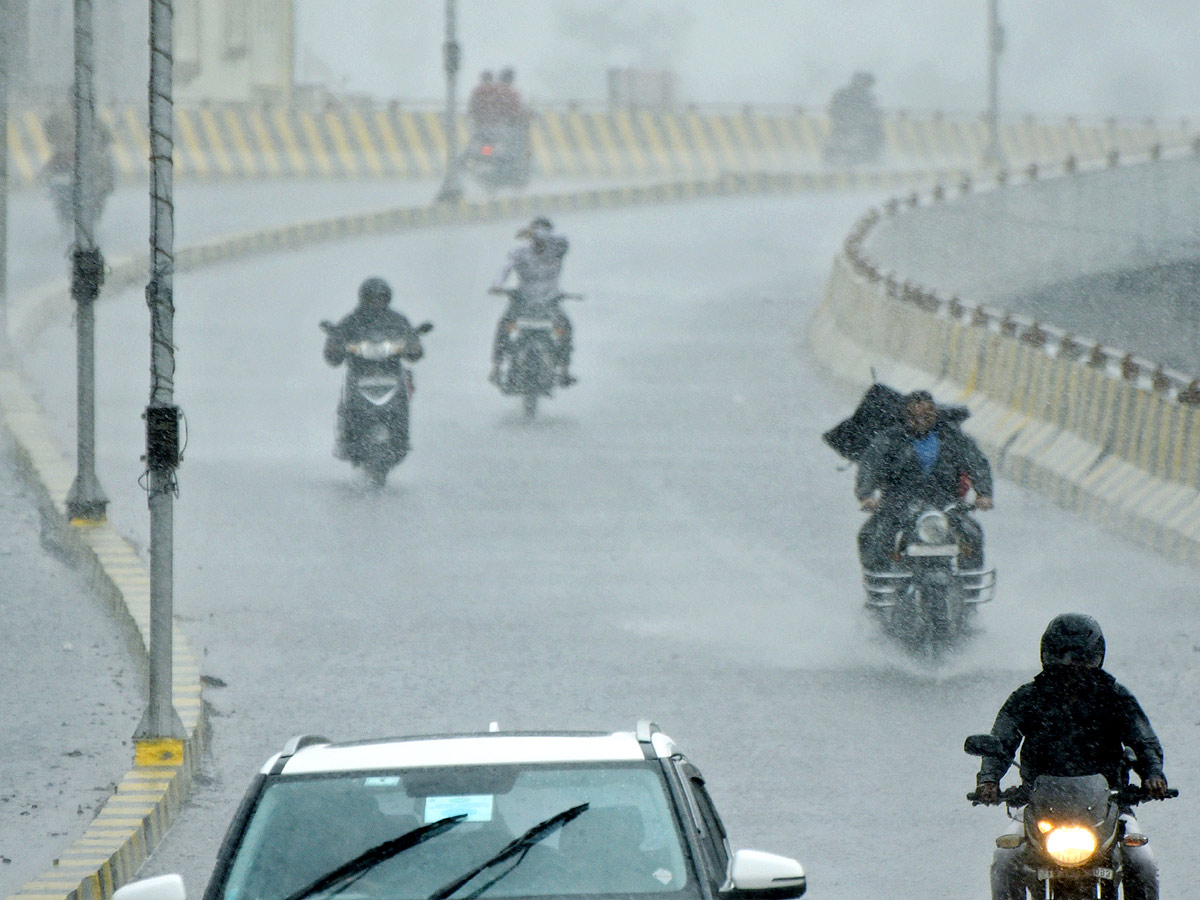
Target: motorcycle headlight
[933,528]
[1070,845]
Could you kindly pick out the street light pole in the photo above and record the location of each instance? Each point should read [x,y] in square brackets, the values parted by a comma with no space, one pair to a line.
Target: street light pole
[451,190]
[86,502]
[992,153]
[160,729]
[6,49]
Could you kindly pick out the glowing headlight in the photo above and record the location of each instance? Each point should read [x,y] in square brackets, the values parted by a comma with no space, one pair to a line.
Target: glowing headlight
[1070,845]
[933,528]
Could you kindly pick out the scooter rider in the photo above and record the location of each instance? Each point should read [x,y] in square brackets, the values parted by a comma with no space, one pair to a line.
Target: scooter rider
[925,457]
[1074,719]
[537,267]
[371,319]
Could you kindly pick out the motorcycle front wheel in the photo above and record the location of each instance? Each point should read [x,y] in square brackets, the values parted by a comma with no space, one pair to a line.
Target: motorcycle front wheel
[377,472]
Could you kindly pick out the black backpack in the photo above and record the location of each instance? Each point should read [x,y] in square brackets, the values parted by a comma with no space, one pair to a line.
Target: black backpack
[878,410]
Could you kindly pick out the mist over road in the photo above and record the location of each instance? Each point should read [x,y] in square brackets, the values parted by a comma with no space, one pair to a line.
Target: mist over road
[670,539]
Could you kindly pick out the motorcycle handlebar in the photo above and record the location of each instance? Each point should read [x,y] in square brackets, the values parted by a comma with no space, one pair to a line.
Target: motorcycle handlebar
[1130,795]
[509,292]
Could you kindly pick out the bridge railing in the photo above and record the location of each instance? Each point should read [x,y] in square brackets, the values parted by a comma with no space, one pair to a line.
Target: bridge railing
[1092,425]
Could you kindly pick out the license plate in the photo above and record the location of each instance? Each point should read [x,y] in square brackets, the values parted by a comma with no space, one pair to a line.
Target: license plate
[932,550]
[1058,874]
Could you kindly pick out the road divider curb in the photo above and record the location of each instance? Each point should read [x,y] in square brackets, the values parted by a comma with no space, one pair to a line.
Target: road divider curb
[133,819]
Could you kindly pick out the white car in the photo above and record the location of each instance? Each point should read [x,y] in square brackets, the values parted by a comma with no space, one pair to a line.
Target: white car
[490,814]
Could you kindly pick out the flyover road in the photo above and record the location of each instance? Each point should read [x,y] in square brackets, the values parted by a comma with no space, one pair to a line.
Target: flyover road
[670,539]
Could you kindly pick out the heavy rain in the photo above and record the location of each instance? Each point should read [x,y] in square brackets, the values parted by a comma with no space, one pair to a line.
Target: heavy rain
[631,507]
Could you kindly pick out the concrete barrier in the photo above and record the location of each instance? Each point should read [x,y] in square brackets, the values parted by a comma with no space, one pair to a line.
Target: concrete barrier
[1092,427]
[348,140]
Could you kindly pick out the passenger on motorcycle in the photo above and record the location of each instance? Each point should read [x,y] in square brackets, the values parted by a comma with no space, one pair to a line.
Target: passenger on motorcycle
[1074,719]
[926,458]
[537,267]
[374,319]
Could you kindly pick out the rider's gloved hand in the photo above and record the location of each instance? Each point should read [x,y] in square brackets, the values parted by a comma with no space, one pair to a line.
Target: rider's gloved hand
[983,502]
[1155,787]
[987,792]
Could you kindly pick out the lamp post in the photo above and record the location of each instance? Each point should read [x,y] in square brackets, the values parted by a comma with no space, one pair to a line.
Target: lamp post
[451,190]
[992,154]
[6,49]
[85,500]
[160,733]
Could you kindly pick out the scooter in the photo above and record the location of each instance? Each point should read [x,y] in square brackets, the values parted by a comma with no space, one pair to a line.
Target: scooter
[926,601]
[499,157]
[529,365]
[374,404]
[1073,831]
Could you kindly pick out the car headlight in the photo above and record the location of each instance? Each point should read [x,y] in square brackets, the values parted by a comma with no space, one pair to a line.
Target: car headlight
[1070,845]
[933,528]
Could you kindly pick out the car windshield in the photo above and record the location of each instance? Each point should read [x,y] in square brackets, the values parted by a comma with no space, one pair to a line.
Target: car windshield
[625,842]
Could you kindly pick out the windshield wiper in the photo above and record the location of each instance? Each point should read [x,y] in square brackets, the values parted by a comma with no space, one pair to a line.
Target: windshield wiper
[519,845]
[348,873]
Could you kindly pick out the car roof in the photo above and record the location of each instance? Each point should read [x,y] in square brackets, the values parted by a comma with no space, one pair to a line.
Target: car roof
[315,755]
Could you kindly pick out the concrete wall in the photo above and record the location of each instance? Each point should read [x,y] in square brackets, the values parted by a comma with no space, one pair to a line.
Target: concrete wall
[1107,255]
[1092,426]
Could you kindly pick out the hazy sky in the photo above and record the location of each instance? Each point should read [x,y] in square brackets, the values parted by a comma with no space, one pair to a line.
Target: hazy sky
[1084,56]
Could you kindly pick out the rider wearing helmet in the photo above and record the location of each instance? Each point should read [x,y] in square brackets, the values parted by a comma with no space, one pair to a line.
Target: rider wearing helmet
[372,319]
[1074,719]
[537,267]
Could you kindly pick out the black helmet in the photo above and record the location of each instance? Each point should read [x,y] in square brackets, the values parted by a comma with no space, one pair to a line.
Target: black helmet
[541,223]
[1073,638]
[374,292]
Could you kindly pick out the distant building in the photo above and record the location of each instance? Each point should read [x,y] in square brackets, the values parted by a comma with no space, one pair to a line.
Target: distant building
[225,50]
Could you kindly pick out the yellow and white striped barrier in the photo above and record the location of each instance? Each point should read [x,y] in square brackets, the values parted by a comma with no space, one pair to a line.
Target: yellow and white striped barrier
[1090,426]
[245,141]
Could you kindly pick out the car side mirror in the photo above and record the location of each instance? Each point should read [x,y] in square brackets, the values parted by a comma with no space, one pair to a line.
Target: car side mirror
[755,875]
[984,745]
[162,887]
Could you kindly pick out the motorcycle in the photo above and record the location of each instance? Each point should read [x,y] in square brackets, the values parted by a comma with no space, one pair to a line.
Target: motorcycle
[499,158]
[852,145]
[1072,832]
[374,404]
[927,601]
[530,369]
[58,175]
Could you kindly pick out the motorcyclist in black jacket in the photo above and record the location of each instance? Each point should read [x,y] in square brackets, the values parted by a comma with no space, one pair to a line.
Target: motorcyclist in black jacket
[371,319]
[926,457]
[1074,719]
